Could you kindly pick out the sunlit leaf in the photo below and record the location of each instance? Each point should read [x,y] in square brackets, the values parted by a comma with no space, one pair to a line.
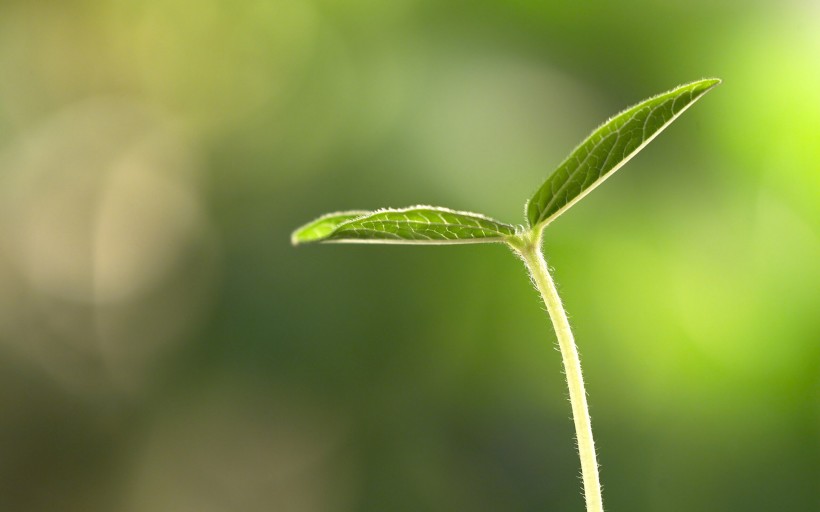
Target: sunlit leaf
[415,225]
[320,228]
[608,148]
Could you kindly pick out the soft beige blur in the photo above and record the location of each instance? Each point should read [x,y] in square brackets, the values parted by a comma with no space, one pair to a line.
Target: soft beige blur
[101,214]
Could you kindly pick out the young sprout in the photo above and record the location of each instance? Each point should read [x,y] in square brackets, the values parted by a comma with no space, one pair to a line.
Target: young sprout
[605,151]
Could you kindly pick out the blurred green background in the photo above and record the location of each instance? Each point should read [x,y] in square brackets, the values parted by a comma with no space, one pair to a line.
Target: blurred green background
[163,347]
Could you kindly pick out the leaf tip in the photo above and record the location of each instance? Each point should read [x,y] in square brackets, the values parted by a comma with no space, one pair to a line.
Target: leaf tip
[712,82]
[294,238]
[320,229]
[302,236]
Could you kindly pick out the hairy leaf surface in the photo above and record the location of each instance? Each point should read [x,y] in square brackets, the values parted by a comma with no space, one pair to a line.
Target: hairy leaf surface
[608,148]
[415,225]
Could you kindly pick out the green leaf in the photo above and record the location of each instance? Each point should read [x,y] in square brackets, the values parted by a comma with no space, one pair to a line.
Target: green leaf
[415,225]
[608,148]
[320,228]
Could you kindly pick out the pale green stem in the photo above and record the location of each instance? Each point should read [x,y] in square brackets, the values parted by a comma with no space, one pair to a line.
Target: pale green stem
[529,247]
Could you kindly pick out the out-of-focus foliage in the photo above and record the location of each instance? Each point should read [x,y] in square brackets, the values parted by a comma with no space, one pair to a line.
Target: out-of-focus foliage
[162,345]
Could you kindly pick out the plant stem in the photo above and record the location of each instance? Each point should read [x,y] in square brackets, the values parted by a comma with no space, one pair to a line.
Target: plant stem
[530,251]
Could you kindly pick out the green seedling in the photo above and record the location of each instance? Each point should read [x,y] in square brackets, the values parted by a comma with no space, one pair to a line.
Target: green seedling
[605,151]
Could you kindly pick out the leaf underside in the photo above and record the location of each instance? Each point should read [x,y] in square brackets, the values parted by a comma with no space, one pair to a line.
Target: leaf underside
[417,225]
[321,228]
[608,148]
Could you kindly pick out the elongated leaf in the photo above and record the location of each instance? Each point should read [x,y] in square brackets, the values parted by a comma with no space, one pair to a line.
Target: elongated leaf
[608,148]
[415,225]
